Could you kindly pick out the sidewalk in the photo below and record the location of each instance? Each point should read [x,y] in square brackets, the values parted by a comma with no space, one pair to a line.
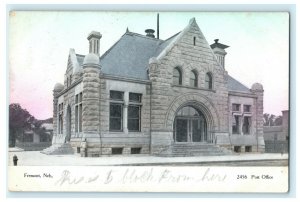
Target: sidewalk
[35,158]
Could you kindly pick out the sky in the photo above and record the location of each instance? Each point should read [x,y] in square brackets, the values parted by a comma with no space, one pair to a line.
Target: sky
[39,44]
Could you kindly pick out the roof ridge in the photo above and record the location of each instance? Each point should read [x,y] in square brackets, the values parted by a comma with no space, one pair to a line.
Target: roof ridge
[141,35]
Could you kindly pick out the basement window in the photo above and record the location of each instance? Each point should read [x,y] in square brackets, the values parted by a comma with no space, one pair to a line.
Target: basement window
[116,150]
[237,149]
[136,150]
[248,149]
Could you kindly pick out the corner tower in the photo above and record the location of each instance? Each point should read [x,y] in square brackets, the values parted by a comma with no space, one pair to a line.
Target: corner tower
[91,94]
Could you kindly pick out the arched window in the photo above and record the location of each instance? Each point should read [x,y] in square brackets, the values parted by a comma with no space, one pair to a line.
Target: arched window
[208,81]
[177,76]
[194,79]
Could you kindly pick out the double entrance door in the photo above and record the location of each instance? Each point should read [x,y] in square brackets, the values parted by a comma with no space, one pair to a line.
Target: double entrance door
[190,129]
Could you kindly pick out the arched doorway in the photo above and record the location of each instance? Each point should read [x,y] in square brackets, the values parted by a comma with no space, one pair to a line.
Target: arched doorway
[190,125]
[68,135]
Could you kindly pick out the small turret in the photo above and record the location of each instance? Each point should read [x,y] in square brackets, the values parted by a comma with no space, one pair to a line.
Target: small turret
[219,51]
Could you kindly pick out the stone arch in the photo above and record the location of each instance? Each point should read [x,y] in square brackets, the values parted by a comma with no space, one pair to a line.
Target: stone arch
[198,101]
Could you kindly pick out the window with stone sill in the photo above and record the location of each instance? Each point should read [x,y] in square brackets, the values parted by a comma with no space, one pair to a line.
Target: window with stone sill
[134,112]
[116,111]
[78,112]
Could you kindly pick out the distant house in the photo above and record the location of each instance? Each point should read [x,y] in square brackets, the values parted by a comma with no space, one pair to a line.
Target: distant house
[34,140]
[276,137]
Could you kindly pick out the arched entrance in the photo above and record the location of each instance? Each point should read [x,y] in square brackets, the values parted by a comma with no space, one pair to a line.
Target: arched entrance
[190,125]
[68,135]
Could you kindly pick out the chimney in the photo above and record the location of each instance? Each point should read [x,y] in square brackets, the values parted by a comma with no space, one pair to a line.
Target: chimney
[94,41]
[150,33]
[219,51]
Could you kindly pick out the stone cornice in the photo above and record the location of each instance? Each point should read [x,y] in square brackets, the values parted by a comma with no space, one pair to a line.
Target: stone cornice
[105,76]
[242,94]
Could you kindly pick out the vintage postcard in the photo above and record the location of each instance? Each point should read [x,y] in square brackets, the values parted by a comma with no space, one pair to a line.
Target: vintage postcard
[148,101]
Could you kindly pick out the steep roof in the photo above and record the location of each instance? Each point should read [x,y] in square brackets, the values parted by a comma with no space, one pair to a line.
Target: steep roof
[129,57]
[235,85]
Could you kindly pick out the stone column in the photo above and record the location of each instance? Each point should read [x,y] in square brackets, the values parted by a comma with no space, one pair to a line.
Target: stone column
[258,90]
[161,139]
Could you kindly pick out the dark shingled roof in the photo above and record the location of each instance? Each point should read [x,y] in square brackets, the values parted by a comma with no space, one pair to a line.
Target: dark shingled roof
[234,85]
[129,57]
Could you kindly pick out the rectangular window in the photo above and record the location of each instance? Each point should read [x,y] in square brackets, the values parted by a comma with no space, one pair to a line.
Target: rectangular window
[235,125]
[135,97]
[246,125]
[136,150]
[248,149]
[116,111]
[235,107]
[60,118]
[237,149]
[134,112]
[78,113]
[116,95]
[117,150]
[247,108]
[115,117]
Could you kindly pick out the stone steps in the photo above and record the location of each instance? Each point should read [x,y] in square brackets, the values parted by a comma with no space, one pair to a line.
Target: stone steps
[59,149]
[199,150]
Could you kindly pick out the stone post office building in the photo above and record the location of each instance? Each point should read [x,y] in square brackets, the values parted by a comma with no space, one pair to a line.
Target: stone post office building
[145,95]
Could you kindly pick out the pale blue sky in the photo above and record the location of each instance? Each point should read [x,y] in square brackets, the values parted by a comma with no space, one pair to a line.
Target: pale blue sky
[39,44]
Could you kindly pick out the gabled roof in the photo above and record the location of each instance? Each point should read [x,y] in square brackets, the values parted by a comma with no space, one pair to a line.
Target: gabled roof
[129,57]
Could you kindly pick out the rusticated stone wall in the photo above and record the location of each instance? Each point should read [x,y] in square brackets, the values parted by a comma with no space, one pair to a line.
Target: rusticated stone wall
[212,102]
[90,99]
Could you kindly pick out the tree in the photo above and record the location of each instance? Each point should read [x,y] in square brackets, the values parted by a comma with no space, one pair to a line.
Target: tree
[19,120]
[272,120]
[278,121]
